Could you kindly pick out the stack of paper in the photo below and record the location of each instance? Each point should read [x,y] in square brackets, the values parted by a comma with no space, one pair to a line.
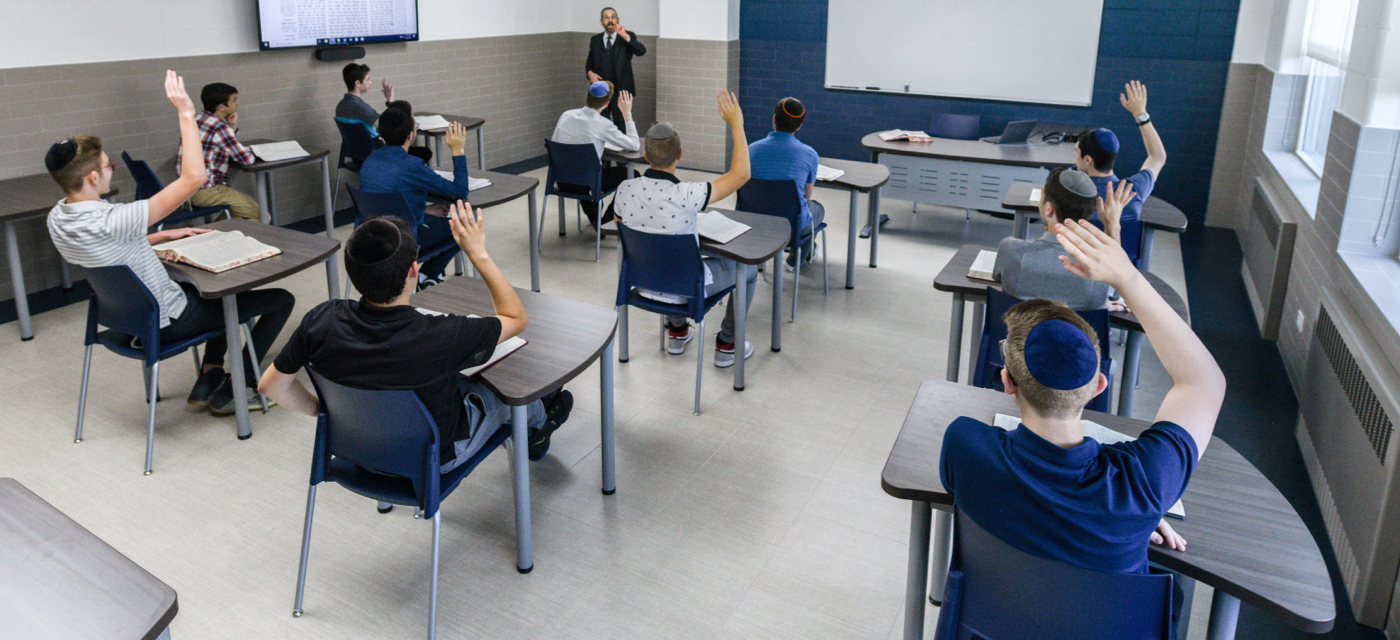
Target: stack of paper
[983,266]
[472,183]
[216,251]
[274,151]
[431,122]
[714,226]
[900,134]
[827,173]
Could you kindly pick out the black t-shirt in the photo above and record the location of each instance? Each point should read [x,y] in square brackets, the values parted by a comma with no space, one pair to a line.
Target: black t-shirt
[392,349]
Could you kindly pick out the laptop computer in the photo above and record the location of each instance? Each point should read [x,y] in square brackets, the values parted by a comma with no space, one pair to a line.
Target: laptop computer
[1015,133]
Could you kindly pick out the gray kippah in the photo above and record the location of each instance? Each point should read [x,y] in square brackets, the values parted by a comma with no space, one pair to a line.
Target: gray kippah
[661,131]
[1078,183]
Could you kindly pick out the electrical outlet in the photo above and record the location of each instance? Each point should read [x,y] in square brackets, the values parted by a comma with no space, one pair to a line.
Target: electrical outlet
[1300,321]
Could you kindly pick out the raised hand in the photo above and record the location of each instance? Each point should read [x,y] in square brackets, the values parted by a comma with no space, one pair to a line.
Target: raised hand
[1111,209]
[1168,537]
[622,33]
[1093,254]
[388,88]
[467,230]
[457,138]
[729,109]
[1134,98]
[624,103]
[175,91]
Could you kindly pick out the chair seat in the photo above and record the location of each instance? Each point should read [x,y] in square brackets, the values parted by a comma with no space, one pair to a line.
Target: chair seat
[636,299]
[120,344]
[398,489]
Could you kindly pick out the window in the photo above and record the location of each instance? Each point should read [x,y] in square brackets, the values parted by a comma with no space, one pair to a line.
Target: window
[1324,86]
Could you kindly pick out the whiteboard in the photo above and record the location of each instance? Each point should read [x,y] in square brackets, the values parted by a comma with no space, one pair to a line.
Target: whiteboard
[1015,50]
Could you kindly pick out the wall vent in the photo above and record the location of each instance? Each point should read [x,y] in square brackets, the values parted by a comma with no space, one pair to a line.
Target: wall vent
[1369,412]
[1267,243]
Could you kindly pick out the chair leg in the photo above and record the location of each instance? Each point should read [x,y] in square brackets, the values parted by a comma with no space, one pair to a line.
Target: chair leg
[253,357]
[433,596]
[578,215]
[700,362]
[154,376]
[335,200]
[198,364]
[826,272]
[347,288]
[622,333]
[146,382]
[561,214]
[82,393]
[796,281]
[461,263]
[544,213]
[598,241]
[305,550]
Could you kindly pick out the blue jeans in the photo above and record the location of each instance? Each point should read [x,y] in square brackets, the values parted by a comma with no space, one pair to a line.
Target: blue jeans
[433,232]
[486,413]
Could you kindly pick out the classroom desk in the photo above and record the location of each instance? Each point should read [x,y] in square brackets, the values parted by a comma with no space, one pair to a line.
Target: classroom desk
[1243,537]
[630,158]
[437,135]
[504,188]
[860,177]
[20,199]
[953,278]
[564,338]
[265,185]
[968,174]
[1157,215]
[299,251]
[61,581]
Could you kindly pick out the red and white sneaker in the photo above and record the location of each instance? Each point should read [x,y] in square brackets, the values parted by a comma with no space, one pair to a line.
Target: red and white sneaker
[724,352]
[676,339]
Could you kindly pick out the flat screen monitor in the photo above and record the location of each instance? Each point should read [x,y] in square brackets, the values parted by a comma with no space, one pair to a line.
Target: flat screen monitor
[287,24]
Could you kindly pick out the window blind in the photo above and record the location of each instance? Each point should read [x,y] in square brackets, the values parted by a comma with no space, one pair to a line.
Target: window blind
[1329,30]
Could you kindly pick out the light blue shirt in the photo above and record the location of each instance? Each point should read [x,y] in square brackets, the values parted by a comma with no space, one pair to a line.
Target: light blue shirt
[781,156]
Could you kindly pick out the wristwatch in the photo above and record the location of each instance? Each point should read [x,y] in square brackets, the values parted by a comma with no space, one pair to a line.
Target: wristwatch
[1143,119]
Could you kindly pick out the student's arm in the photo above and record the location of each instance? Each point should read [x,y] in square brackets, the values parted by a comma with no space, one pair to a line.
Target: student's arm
[811,187]
[632,45]
[458,188]
[287,391]
[1111,209]
[192,173]
[467,229]
[628,141]
[1134,99]
[1198,387]
[725,185]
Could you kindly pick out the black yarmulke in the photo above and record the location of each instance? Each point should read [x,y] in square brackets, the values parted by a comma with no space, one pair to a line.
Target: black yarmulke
[60,154]
[374,242]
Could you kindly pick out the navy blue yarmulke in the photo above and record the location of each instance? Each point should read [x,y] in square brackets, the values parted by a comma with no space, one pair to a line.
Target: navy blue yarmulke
[1060,356]
[1107,139]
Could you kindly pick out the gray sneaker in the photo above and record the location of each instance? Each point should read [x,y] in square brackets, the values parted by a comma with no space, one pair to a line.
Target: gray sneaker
[724,353]
[221,402]
[675,342]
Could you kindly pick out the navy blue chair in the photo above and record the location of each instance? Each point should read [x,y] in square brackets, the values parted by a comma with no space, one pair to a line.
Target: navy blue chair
[955,126]
[121,302]
[1132,234]
[779,198]
[665,264]
[383,445]
[576,164]
[356,144]
[375,204]
[987,373]
[997,592]
[147,185]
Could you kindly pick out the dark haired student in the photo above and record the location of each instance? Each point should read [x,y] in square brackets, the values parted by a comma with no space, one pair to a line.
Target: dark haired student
[218,135]
[781,156]
[1096,151]
[382,342]
[353,106]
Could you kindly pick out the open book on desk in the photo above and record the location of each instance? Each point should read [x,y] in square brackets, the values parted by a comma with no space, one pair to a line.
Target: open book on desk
[511,345]
[431,121]
[900,134]
[1098,432]
[716,227]
[827,173]
[216,251]
[472,183]
[274,151]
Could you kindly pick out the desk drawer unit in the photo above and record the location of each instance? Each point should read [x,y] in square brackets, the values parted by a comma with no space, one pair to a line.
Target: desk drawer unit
[954,183]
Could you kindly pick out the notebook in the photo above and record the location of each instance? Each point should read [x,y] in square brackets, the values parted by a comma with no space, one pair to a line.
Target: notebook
[503,349]
[1098,432]
[718,228]
[431,121]
[472,183]
[274,151]
[827,173]
[215,251]
[983,266]
[900,134]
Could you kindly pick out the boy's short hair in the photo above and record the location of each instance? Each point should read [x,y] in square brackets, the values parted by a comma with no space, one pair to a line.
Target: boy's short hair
[378,256]
[402,105]
[1065,189]
[215,94]
[395,125]
[788,115]
[1048,402]
[354,73]
[597,102]
[1101,145]
[71,160]
[663,145]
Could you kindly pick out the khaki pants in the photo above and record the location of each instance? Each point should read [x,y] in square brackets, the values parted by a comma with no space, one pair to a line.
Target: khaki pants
[238,203]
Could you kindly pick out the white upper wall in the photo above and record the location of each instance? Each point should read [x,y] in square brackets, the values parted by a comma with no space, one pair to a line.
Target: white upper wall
[639,16]
[1252,31]
[1371,87]
[699,19]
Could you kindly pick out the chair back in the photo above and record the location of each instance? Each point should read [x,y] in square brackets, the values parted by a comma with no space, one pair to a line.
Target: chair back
[773,198]
[987,370]
[998,592]
[1132,233]
[355,143]
[376,204]
[576,164]
[147,184]
[122,302]
[955,126]
[661,263]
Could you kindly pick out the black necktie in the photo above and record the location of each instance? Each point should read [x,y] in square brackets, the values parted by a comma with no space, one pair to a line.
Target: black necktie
[609,43]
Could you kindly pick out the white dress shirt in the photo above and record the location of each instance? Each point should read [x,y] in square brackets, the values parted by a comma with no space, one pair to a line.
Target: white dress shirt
[586,126]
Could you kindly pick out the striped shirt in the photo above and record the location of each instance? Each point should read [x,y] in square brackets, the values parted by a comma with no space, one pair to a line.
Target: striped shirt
[220,146]
[96,233]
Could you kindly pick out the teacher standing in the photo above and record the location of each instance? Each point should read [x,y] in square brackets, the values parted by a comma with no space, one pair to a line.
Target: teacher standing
[610,58]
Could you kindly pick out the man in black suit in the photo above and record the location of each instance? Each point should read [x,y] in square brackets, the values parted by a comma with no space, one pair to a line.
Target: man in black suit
[610,58]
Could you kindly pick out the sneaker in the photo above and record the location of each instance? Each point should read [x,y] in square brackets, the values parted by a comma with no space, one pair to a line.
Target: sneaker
[428,282]
[221,401]
[557,407]
[208,383]
[724,353]
[676,339]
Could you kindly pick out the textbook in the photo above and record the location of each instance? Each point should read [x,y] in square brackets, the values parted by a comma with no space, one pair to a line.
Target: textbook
[433,121]
[472,183]
[503,349]
[216,251]
[900,134]
[983,266]
[827,173]
[1098,432]
[715,226]
[274,151]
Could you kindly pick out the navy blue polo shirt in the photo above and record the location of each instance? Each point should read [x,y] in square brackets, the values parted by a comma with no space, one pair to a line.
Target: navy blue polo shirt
[1093,506]
[1143,181]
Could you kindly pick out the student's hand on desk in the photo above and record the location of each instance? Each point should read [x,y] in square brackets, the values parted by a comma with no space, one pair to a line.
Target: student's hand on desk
[1134,98]
[1093,255]
[175,91]
[593,77]
[467,229]
[173,234]
[1115,306]
[388,88]
[457,139]
[729,109]
[1168,537]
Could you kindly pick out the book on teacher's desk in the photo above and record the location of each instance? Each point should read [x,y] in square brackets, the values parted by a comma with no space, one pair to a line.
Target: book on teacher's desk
[215,251]
[900,134]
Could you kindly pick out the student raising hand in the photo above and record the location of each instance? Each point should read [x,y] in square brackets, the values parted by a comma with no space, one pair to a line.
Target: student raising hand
[466,228]
[1093,255]
[1111,210]
[175,91]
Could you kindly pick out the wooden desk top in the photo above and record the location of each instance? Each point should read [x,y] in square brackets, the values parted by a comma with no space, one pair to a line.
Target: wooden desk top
[1026,155]
[768,237]
[299,251]
[860,176]
[504,188]
[1156,213]
[29,196]
[564,337]
[61,581]
[953,278]
[1242,535]
[314,154]
[470,122]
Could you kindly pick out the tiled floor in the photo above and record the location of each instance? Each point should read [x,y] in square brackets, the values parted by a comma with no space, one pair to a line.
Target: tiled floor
[761,518]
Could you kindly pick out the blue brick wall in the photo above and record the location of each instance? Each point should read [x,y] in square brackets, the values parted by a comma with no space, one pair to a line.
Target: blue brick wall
[1179,48]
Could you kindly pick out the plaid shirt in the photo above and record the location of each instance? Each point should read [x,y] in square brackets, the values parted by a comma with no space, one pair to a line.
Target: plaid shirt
[220,145]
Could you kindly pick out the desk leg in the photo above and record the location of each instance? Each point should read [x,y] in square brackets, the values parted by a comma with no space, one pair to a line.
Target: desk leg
[261,186]
[979,309]
[271,199]
[631,170]
[481,147]
[534,246]
[437,149]
[605,367]
[520,473]
[1224,616]
[777,303]
[1127,384]
[26,329]
[233,357]
[955,329]
[874,225]
[332,265]
[66,273]
[917,584]
[1021,228]
[851,241]
[741,320]
[939,555]
[1145,254]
